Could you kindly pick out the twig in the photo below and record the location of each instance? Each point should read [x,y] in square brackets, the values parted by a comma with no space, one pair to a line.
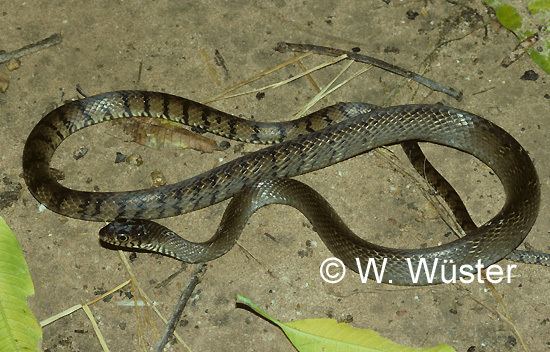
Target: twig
[79,90]
[149,301]
[73,309]
[140,68]
[322,50]
[98,333]
[309,77]
[293,78]
[256,77]
[53,39]
[185,295]
[171,277]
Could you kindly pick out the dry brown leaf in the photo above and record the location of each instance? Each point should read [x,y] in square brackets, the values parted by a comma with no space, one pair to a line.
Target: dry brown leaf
[159,134]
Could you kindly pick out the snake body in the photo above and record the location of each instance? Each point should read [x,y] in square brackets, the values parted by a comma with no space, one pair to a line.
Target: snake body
[300,146]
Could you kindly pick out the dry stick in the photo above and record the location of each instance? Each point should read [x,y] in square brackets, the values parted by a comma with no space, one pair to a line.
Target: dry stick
[256,77]
[74,308]
[323,92]
[329,89]
[309,77]
[293,78]
[98,333]
[435,200]
[185,295]
[149,301]
[53,39]
[171,277]
[322,50]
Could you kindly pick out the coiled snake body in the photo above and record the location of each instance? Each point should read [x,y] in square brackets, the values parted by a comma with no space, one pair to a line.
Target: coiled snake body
[309,143]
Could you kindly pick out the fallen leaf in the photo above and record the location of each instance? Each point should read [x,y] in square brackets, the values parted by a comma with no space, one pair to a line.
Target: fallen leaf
[325,334]
[155,133]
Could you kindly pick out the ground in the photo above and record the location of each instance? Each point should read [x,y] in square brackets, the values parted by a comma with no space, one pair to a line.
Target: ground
[196,49]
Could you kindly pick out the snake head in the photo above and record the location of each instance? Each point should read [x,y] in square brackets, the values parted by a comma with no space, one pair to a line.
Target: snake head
[125,233]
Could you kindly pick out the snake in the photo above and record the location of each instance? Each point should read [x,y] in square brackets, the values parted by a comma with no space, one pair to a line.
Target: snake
[321,139]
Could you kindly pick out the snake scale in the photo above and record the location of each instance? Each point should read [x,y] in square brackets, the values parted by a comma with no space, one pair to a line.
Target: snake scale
[323,138]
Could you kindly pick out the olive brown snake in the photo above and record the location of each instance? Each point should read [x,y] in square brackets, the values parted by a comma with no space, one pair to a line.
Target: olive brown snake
[318,140]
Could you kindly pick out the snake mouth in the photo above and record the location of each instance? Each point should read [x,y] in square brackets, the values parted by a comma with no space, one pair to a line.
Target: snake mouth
[115,246]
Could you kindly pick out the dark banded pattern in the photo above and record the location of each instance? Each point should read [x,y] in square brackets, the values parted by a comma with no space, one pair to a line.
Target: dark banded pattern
[323,138]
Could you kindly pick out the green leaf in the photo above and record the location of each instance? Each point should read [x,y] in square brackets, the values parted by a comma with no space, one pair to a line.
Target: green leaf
[19,330]
[540,59]
[324,334]
[537,6]
[508,16]
[525,23]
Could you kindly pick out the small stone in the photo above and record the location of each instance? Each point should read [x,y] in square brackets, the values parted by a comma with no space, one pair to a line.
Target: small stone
[157,178]
[303,253]
[530,75]
[13,64]
[411,14]
[260,95]
[80,152]
[120,158]
[356,49]
[311,244]
[511,341]
[224,145]
[346,319]
[134,159]
[99,291]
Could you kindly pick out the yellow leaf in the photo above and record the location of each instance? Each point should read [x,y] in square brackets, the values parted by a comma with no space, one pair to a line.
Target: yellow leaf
[314,335]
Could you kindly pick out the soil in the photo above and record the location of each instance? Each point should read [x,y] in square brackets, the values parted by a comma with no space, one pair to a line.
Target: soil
[196,49]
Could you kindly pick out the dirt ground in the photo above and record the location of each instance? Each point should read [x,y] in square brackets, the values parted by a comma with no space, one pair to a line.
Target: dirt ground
[196,49]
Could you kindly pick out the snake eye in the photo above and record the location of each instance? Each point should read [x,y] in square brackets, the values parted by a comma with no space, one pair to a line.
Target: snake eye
[122,237]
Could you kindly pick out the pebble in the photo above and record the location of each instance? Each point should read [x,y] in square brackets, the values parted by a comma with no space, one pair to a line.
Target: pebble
[80,152]
[120,158]
[157,178]
[13,64]
[223,145]
[134,159]
[530,75]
